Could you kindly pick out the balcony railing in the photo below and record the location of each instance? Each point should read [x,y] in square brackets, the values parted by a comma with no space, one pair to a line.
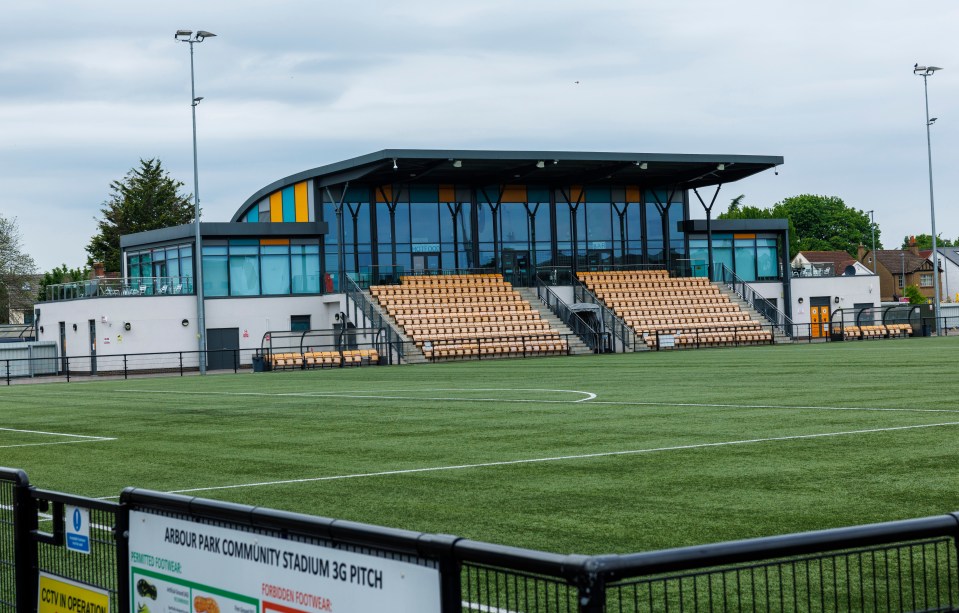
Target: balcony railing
[138,286]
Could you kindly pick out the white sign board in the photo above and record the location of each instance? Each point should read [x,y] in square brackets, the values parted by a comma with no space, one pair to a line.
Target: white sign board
[667,341]
[77,528]
[179,566]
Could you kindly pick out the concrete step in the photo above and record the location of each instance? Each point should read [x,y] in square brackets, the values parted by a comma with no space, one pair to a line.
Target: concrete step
[778,335]
[576,344]
[413,354]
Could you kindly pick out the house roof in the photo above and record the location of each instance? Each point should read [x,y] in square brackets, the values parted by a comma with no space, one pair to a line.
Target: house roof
[839,259]
[895,259]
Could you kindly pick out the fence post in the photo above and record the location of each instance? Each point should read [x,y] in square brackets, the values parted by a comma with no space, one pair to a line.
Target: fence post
[25,522]
[8,372]
[181,363]
[124,366]
[122,537]
[591,591]
[236,361]
[66,365]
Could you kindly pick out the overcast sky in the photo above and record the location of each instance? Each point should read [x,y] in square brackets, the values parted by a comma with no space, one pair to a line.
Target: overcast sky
[87,89]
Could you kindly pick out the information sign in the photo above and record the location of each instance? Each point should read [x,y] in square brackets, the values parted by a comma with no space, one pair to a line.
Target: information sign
[77,528]
[180,566]
[61,595]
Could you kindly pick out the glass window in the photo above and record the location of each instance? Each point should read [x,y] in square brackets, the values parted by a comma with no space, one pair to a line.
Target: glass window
[563,232]
[424,220]
[306,268]
[767,264]
[329,216]
[299,323]
[244,270]
[514,222]
[598,222]
[925,279]
[484,223]
[403,223]
[384,231]
[275,268]
[654,224]
[215,271]
[746,259]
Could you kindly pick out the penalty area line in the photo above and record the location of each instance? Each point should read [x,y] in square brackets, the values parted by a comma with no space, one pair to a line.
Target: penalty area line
[565,458]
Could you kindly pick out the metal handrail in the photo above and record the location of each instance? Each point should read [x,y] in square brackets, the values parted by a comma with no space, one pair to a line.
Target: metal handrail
[748,293]
[610,320]
[363,305]
[598,341]
[120,286]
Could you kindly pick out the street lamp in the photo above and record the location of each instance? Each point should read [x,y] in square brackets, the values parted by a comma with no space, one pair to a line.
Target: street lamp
[187,36]
[925,72]
[872,226]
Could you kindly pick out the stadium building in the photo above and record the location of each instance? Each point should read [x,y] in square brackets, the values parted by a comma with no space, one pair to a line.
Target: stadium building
[291,252]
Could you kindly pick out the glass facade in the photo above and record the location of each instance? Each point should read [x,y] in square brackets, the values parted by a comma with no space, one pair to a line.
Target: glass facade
[267,267]
[389,230]
[167,268]
[752,257]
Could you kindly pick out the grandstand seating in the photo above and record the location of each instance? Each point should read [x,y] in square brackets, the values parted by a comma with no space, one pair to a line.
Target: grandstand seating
[690,309]
[467,316]
[324,359]
[880,331]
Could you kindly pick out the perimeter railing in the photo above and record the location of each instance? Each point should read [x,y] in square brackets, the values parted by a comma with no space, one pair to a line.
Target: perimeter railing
[260,558]
[600,341]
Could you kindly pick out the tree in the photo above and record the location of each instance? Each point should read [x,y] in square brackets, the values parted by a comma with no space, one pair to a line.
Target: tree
[924,241]
[60,274]
[817,223]
[146,199]
[16,269]
[914,295]
[737,210]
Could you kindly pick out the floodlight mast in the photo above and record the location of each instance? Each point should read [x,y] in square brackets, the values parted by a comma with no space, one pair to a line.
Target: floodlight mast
[925,72]
[187,36]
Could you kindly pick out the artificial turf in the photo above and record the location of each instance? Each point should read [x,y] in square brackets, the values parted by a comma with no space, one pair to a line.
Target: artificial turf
[675,448]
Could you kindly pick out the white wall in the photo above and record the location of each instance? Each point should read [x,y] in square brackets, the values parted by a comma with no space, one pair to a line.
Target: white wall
[850,291]
[156,322]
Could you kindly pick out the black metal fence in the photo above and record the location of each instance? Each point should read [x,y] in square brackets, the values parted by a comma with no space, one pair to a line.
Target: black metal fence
[908,565]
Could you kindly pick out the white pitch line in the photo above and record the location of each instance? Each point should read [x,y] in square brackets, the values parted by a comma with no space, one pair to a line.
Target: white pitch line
[562,458]
[588,400]
[51,433]
[588,395]
[99,440]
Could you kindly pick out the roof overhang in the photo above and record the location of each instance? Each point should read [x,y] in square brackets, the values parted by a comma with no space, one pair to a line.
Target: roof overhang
[549,168]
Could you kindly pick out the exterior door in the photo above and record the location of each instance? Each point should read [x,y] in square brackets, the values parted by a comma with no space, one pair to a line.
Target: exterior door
[819,316]
[222,345]
[93,346]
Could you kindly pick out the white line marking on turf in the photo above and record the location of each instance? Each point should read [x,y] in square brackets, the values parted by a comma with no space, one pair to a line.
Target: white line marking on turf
[85,438]
[589,399]
[563,458]
[55,433]
[587,395]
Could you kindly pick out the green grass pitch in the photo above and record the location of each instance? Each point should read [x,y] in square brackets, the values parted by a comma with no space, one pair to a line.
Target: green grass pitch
[592,454]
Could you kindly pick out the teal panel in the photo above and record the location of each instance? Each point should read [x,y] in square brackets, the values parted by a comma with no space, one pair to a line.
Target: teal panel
[253,215]
[289,205]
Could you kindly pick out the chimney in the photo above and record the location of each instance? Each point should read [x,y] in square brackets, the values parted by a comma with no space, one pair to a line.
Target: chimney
[98,272]
[861,253]
[913,248]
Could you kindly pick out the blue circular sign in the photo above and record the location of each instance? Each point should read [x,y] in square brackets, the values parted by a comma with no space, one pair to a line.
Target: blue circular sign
[77,520]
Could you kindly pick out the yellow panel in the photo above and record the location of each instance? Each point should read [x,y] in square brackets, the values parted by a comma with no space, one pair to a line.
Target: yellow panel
[447,193]
[514,193]
[276,207]
[302,202]
[274,241]
[744,236]
[633,194]
[575,194]
[384,193]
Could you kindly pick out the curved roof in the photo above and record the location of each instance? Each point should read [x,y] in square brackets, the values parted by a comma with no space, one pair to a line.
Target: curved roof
[683,170]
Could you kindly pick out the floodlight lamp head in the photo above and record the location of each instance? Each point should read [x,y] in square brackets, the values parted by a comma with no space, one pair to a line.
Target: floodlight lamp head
[201,34]
[183,35]
[541,164]
[457,163]
[196,100]
[720,166]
